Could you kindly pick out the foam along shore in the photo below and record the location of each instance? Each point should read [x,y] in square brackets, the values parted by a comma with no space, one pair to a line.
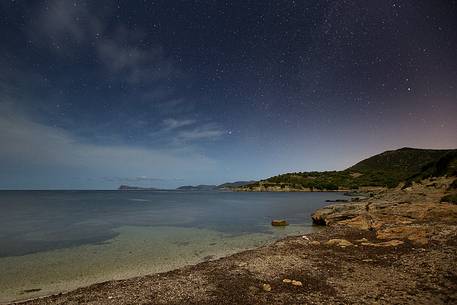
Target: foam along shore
[400,248]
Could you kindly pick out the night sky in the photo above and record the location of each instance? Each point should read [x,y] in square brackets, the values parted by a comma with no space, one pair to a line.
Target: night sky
[94,94]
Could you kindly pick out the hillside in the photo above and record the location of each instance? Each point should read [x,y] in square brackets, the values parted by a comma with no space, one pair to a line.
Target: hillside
[201,187]
[224,186]
[387,169]
[229,185]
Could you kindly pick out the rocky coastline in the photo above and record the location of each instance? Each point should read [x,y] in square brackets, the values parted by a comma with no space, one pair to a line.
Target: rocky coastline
[397,247]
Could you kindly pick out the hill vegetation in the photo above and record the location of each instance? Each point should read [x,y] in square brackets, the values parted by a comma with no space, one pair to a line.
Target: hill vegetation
[387,169]
[224,186]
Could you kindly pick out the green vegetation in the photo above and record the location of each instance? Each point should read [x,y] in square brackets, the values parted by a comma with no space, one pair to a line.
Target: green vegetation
[451,198]
[453,185]
[387,169]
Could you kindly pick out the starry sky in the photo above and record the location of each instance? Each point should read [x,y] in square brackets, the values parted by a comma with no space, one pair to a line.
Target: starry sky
[94,94]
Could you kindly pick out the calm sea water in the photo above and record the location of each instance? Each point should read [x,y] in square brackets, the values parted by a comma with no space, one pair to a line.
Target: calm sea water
[57,240]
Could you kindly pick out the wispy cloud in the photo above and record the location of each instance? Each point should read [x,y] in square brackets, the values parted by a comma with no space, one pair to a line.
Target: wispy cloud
[159,139]
[121,54]
[205,132]
[185,131]
[53,152]
[172,124]
[59,22]
[64,25]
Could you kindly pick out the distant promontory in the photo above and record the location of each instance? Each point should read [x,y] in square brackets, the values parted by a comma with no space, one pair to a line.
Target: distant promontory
[201,187]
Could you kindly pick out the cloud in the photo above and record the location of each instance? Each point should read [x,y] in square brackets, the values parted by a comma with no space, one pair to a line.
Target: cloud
[205,132]
[172,124]
[188,131]
[61,20]
[132,62]
[53,154]
[65,25]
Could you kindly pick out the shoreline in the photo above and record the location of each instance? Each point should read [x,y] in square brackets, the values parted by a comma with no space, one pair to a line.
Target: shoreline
[398,247]
[133,265]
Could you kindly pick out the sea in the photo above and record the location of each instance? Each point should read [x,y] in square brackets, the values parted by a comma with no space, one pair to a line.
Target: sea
[55,241]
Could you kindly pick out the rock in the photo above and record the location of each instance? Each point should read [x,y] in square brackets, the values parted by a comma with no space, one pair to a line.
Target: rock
[362,240]
[339,242]
[337,200]
[266,287]
[332,214]
[416,234]
[293,282]
[362,221]
[315,243]
[390,243]
[279,223]
[395,215]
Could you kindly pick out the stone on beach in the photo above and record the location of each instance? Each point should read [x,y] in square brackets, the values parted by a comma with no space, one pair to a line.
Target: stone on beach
[266,287]
[390,243]
[293,282]
[339,242]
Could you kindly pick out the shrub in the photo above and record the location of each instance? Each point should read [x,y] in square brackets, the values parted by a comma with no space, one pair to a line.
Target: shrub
[453,185]
[451,198]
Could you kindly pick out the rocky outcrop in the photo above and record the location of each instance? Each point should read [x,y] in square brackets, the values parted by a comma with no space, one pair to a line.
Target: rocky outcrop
[335,213]
[414,215]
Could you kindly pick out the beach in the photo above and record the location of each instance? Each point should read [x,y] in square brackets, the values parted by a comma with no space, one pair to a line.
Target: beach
[406,255]
[52,242]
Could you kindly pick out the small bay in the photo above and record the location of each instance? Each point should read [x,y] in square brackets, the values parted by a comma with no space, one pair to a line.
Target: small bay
[53,241]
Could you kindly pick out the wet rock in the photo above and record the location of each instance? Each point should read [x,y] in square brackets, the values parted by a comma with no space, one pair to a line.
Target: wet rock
[279,223]
[31,290]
